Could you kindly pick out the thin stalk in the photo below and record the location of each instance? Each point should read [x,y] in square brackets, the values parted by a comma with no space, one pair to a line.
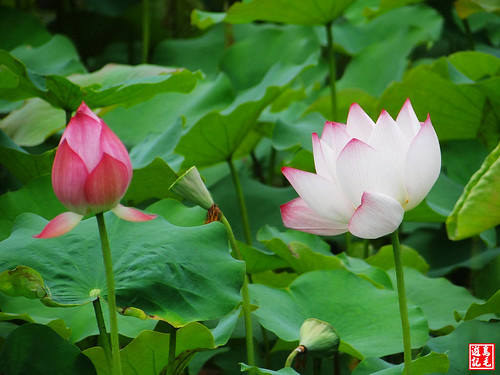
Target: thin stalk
[270,168]
[110,282]
[102,330]
[336,364]
[171,351]
[145,30]
[247,311]
[332,69]
[299,349]
[317,362]
[68,115]
[348,243]
[241,202]
[403,309]
[468,31]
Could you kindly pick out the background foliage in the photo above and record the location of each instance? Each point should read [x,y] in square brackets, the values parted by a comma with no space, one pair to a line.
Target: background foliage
[243,86]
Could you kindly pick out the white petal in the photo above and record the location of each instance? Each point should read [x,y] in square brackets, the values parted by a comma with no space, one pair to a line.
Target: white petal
[320,194]
[388,140]
[297,215]
[361,168]
[377,216]
[335,136]
[423,165]
[407,121]
[320,163]
[359,124]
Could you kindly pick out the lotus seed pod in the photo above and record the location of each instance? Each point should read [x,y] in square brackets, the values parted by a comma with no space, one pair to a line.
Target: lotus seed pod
[190,186]
[319,337]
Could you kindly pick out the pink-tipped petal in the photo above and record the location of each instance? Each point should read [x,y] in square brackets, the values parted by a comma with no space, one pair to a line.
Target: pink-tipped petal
[83,134]
[423,164]
[320,194]
[60,225]
[87,111]
[359,124]
[407,121]
[377,216]
[112,145]
[68,178]
[389,141]
[297,215]
[106,184]
[361,168]
[335,136]
[131,214]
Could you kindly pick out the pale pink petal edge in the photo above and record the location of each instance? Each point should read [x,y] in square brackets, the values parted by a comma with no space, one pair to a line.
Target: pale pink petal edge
[131,214]
[60,225]
[297,215]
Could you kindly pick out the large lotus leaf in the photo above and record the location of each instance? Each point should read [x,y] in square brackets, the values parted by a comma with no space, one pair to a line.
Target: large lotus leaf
[456,110]
[203,52]
[263,371]
[151,181]
[476,65]
[462,158]
[444,255]
[298,12]
[265,45]
[35,348]
[456,344]
[31,124]
[384,259]
[178,214]
[490,306]
[154,116]
[21,164]
[148,352]
[112,85]
[383,46]
[466,8]
[158,145]
[431,363]
[366,318]
[218,135]
[437,297]
[18,28]
[159,268]
[478,208]
[80,319]
[57,56]
[36,196]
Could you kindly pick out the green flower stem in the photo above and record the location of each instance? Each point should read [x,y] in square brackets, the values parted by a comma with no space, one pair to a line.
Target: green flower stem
[68,116]
[270,169]
[171,350]
[247,311]
[332,69]
[145,30]
[403,308]
[348,243]
[241,202]
[102,330]
[110,282]
[292,355]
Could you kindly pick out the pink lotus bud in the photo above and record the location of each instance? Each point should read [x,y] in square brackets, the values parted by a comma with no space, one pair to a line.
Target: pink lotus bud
[91,173]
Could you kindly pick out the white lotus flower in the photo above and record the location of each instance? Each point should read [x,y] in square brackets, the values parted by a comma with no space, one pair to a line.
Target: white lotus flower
[367,175]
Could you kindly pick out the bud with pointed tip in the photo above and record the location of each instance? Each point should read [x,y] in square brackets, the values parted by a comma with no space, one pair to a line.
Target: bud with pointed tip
[91,173]
[190,186]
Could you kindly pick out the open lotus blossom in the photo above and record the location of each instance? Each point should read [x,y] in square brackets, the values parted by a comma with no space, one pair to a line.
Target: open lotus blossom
[367,175]
[90,174]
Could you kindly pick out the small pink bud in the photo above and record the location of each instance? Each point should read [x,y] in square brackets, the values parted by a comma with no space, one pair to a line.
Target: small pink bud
[91,172]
